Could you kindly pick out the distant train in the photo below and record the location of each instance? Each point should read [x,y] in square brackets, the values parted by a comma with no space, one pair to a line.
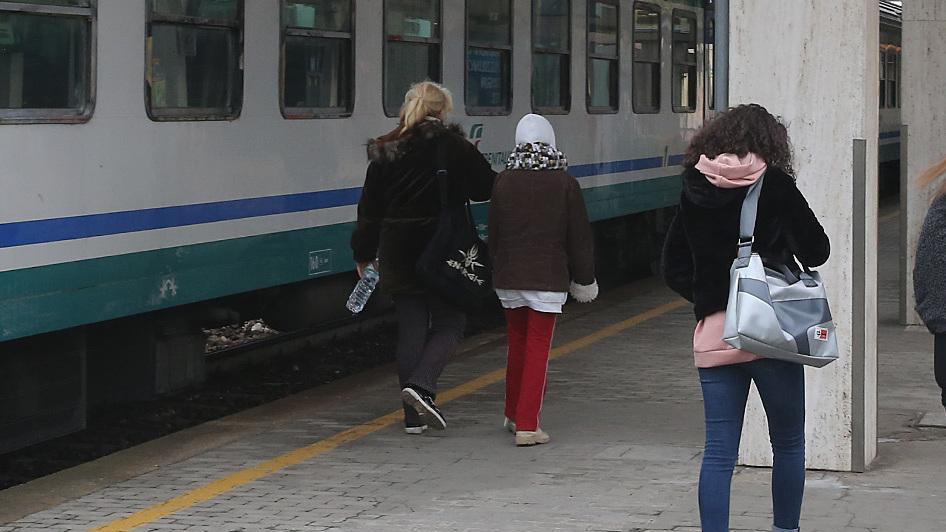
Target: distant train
[891,15]
[169,164]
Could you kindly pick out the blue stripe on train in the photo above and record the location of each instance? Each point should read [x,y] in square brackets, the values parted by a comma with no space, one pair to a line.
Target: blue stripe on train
[614,167]
[25,233]
[73,227]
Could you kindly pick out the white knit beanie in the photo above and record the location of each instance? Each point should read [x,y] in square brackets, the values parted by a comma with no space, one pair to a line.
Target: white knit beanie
[535,128]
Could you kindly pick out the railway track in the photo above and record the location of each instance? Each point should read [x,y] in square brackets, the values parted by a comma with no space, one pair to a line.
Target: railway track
[240,377]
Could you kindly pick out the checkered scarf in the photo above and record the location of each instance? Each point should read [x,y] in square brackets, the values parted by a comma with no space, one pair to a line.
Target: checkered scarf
[536,156]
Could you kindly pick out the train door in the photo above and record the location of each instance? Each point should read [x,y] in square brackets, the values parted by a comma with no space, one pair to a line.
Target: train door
[709,60]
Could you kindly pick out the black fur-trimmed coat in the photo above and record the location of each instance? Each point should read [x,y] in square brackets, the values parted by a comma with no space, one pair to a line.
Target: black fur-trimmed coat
[400,201]
[703,238]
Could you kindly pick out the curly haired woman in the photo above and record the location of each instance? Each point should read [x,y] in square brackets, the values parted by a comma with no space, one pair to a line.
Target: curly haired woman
[724,159]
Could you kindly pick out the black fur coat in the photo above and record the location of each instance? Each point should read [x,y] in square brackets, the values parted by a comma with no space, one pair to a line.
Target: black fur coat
[400,200]
[702,241]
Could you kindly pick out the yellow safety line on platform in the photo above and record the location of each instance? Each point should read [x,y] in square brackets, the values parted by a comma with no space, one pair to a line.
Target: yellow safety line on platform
[240,478]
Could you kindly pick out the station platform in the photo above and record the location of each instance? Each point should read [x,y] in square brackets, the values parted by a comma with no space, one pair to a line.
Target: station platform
[624,410]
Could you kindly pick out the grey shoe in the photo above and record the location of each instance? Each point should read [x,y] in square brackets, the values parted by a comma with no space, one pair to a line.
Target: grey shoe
[509,425]
[526,438]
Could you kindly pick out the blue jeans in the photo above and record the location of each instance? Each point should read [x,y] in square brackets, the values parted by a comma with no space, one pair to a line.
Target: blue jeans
[725,390]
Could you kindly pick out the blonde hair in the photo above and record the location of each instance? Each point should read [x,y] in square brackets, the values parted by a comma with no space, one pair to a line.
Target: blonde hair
[930,175]
[422,100]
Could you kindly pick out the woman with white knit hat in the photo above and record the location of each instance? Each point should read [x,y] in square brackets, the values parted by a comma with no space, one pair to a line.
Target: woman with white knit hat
[542,248]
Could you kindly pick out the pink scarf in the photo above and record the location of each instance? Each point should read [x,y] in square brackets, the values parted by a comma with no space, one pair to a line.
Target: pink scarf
[731,171]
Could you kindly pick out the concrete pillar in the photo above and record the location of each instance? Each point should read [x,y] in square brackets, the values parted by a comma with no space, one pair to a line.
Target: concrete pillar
[815,64]
[924,127]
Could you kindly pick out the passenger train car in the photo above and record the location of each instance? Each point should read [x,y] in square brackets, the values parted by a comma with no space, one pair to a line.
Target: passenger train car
[175,160]
[170,164]
[891,14]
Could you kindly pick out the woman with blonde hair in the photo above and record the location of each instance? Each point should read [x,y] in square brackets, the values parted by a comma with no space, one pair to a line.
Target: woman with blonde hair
[929,272]
[397,216]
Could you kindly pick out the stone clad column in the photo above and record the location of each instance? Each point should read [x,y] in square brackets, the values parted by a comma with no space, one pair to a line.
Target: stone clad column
[924,133]
[815,64]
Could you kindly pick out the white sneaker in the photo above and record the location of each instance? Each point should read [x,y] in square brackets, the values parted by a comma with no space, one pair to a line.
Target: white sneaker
[509,425]
[415,430]
[525,438]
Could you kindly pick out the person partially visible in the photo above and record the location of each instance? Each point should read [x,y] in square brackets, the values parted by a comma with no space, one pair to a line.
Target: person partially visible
[929,272]
[725,158]
[542,247]
[397,216]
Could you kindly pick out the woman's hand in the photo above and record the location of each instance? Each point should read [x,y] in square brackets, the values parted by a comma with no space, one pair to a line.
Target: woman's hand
[362,266]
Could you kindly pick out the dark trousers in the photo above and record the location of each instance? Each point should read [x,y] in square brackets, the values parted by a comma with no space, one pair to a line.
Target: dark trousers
[939,362]
[428,332]
[725,390]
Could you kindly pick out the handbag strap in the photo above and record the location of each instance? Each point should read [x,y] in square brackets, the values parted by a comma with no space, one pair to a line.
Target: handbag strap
[442,175]
[747,218]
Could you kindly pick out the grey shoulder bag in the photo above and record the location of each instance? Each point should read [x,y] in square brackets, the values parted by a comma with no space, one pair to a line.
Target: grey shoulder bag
[776,314]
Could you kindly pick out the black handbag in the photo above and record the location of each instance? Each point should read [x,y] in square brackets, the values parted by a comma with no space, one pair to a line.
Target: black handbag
[455,264]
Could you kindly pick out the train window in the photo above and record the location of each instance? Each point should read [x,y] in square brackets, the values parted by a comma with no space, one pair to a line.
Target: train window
[411,48]
[892,75]
[488,57]
[709,60]
[899,77]
[194,68]
[646,75]
[46,61]
[883,78]
[684,62]
[551,56]
[317,58]
[603,56]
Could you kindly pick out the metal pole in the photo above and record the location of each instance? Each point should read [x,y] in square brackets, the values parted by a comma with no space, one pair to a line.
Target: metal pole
[721,55]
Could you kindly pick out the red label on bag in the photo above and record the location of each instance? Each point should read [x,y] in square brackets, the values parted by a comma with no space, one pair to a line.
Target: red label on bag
[821,334]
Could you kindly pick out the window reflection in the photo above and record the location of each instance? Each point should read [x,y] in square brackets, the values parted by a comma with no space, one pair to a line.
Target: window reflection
[411,48]
[646,73]
[318,70]
[684,61]
[194,64]
[488,56]
[603,52]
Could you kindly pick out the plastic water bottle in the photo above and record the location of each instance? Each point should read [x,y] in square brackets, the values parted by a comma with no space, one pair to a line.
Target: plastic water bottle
[363,290]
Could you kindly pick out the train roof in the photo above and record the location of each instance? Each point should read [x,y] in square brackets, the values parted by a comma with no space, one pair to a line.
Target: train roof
[891,11]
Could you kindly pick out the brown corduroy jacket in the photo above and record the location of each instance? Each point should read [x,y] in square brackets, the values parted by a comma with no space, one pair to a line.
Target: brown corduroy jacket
[539,234]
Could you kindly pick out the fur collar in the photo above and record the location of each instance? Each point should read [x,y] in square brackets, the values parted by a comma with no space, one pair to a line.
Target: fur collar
[394,145]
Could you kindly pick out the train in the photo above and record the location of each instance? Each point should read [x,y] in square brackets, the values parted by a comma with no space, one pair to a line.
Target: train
[891,15]
[169,165]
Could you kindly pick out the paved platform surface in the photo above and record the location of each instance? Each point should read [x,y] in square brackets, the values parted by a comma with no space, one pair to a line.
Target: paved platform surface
[624,411]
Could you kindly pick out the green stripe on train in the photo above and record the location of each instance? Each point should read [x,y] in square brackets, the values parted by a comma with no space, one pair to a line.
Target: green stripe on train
[60,296]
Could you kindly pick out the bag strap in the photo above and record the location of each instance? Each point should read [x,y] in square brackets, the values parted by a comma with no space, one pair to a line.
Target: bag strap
[442,174]
[747,218]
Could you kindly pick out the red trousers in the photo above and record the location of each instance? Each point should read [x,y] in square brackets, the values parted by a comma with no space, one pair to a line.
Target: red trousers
[530,340]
